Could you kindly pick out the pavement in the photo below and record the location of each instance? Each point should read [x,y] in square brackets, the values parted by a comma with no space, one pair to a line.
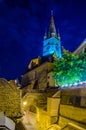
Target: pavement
[29,127]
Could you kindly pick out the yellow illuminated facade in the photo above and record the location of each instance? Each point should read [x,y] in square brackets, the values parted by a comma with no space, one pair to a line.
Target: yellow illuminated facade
[44,106]
[10,98]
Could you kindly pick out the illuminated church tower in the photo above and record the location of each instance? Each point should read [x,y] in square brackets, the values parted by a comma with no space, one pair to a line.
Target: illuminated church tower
[51,43]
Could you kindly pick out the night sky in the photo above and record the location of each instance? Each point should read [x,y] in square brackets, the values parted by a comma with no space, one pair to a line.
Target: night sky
[22,27]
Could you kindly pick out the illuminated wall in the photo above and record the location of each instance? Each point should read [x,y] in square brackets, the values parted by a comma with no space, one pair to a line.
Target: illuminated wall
[10,98]
[51,46]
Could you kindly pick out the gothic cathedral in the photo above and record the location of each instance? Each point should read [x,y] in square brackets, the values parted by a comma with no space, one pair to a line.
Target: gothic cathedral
[52,43]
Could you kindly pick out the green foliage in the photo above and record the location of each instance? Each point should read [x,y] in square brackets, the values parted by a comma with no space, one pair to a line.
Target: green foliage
[83,58]
[70,68]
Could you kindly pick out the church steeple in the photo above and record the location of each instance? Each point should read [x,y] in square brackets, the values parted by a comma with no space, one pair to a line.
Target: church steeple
[52,28]
[52,43]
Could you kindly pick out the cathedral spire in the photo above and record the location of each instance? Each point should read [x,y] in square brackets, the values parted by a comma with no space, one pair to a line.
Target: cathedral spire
[51,12]
[59,35]
[52,29]
[52,43]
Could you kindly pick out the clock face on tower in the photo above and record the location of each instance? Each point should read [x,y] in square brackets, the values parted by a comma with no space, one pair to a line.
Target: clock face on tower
[51,45]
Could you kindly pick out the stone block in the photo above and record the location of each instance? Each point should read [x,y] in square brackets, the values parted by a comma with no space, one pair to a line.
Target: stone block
[73,113]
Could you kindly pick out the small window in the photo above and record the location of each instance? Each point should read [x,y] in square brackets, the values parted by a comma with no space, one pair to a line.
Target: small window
[35,86]
[71,100]
[85,50]
[77,101]
[48,43]
[32,109]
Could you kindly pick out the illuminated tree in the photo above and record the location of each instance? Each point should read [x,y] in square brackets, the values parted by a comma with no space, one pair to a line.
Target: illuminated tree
[70,68]
[83,58]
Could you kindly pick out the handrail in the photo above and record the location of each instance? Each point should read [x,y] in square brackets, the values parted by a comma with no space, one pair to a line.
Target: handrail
[54,125]
[64,127]
[74,126]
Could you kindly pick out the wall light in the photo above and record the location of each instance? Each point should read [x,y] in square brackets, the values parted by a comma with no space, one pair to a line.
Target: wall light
[24,103]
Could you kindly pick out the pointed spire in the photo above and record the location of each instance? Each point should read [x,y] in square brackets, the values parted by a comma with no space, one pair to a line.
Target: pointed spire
[51,12]
[52,29]
[45,35]
[59,35]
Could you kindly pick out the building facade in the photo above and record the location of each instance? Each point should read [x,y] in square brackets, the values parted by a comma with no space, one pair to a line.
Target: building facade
[81,48]
[38,82]
[39,74]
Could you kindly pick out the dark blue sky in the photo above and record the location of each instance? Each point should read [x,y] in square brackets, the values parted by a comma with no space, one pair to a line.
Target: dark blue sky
[23,24]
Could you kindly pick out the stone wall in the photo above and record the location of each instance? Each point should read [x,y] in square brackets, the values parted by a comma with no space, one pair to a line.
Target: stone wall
[43,120]
[10,99]
[50,79]
[74,96]
[73,107]
[37,78]
[35,99]
[74,113]
[63,122]
[53,106]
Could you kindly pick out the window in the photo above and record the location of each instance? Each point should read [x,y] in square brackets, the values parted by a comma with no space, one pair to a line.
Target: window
[85,50]
[32,109]
[77,101]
